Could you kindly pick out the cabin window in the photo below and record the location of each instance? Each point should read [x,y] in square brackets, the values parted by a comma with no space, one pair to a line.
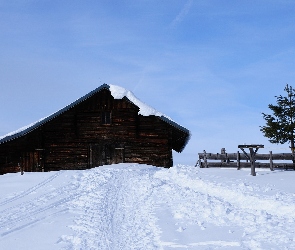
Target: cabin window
[106,117]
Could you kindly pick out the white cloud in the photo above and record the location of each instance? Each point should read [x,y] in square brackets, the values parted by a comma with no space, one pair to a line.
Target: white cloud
[184,11]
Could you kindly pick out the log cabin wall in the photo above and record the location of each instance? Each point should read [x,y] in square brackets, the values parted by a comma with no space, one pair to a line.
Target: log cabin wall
[153,144]
[9,158]
[100,130]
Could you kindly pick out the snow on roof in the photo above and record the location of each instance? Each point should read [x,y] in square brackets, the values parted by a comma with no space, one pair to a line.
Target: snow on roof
[144,109]
[116,91]
[22,129]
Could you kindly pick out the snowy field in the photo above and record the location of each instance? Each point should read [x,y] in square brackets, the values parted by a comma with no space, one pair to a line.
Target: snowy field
[130,206]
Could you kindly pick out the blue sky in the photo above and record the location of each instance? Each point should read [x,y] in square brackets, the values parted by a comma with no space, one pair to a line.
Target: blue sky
[211,65]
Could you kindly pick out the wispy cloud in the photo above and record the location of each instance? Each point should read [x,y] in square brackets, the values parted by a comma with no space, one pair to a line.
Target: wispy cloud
[184,11]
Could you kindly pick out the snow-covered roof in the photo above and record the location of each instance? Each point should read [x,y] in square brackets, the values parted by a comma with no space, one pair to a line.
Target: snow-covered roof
[117,92]
[144,109]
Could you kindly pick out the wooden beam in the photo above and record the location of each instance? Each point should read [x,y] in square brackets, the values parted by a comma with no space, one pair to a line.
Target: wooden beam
[252,160]
[251,146]
[270,161]
[238,161]
[233,156]
[205,159]
[248,165]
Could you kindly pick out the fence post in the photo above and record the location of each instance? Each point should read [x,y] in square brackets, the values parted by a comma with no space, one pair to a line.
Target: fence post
[205,159]
[238,161]
[252,160]
[222,151]
[270,161]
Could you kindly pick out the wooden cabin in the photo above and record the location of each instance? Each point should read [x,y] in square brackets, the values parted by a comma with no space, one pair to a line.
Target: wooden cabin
[95,130]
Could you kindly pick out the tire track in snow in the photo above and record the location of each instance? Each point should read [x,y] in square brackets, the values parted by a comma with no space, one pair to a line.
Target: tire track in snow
[32,189]
[31,211]
[35,209]
[29,223]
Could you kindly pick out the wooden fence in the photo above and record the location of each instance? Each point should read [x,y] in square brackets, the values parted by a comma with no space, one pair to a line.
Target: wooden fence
[240,160]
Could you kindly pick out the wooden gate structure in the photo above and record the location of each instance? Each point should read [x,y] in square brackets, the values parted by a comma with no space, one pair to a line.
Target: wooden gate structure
[243,160]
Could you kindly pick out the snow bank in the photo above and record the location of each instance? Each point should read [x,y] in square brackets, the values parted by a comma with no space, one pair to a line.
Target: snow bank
[131,206]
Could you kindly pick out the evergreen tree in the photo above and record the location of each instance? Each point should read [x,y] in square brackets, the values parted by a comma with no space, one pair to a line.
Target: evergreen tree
[280,126]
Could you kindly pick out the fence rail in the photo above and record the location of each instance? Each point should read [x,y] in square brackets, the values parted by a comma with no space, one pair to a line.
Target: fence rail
[234,156]
[239,160]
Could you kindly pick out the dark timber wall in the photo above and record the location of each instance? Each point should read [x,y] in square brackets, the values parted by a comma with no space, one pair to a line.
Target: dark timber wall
[79,138]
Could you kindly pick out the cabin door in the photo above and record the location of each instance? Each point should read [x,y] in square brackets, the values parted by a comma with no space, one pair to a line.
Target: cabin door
[119,155]
[33,161]
[105,154]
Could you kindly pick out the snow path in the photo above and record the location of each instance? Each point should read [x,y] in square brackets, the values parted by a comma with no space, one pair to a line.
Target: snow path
[129,206]
[117,213]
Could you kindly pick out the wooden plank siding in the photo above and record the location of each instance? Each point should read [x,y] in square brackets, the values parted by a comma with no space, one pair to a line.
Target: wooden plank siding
[73,139]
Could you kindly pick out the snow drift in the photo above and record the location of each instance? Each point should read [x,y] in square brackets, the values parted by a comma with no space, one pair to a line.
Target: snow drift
[130,206]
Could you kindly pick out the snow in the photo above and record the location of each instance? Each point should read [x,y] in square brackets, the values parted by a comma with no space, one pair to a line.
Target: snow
[131,206]
[144,109]
[22,128]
